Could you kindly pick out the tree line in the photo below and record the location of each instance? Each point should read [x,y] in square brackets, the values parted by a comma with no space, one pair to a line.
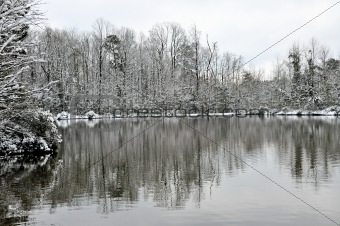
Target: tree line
[169,67]
[172,67]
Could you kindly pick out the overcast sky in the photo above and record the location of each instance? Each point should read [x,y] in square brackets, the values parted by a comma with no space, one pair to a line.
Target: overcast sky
[244,27]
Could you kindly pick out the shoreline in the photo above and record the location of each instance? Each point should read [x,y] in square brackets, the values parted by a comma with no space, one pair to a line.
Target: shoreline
[326,112]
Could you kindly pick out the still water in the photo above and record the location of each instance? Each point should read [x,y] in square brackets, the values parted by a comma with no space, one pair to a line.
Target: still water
[252,171]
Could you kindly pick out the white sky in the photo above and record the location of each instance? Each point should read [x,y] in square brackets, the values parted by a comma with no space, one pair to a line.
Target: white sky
[244,27]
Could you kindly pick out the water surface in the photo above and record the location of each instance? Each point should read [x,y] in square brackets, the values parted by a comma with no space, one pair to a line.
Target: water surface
[251,171]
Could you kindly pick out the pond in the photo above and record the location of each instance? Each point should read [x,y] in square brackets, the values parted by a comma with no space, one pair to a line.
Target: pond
[204,171]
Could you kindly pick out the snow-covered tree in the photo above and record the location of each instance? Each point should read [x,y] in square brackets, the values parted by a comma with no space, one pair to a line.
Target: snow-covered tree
[22,127]
[15,17]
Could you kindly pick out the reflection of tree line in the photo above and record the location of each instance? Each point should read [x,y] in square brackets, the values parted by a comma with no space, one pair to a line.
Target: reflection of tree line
[169,161]
[22,182]
[171,164]
[316,147]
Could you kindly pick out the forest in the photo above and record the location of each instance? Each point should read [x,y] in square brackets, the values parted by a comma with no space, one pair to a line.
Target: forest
[43,69]
[173,68]
[168,67]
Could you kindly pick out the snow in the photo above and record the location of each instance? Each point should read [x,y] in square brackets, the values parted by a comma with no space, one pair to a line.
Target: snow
[43,145]
[91,115]
[333,110]
[34,131]
[63,116]
[330,111]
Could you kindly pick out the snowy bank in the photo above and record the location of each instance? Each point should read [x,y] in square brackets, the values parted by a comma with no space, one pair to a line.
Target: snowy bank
[28,132]
[330,111]
[64,116]
[88,115]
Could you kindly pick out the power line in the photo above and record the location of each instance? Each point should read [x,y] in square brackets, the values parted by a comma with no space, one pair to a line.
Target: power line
[279,41]
[258,171]
[200,133]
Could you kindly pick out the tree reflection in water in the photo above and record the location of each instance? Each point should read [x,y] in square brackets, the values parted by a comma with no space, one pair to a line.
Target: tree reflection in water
[169,163]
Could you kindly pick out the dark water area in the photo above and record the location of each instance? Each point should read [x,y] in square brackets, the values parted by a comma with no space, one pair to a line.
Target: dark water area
[251,171]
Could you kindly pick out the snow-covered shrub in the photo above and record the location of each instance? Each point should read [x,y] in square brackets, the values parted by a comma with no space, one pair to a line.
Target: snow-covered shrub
[28,131]
[63,116]
[21,130]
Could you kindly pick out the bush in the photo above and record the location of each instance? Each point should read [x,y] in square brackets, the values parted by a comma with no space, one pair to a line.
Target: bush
[28,131]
